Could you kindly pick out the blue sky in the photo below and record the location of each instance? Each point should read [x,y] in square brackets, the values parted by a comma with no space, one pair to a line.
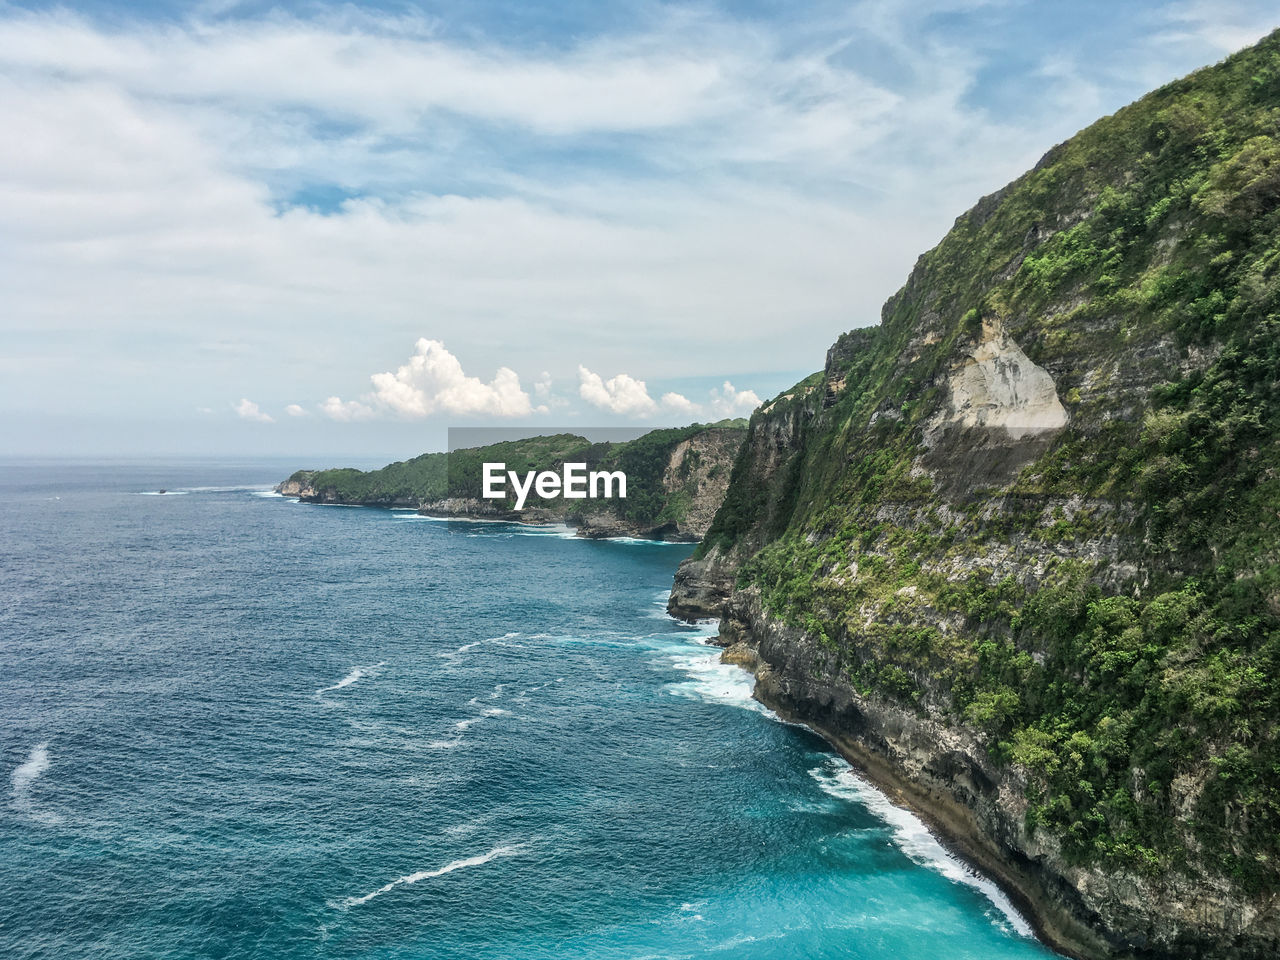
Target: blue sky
[340,229]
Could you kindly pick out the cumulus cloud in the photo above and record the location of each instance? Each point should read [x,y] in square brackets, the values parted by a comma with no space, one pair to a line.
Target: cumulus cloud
[433,382]
[294,410]
[728,401]
[619,394]
[248,410]
[678,403]
[345,411]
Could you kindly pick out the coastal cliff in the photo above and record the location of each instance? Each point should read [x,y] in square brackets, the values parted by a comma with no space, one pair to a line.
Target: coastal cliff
[676,480]
[1016,549]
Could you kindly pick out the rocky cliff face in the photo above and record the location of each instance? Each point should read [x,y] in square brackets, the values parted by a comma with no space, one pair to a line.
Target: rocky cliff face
[299,485]
[691,478]
[1015,550]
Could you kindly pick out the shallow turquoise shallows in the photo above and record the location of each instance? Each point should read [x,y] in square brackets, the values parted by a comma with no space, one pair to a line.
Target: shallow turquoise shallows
[232,725]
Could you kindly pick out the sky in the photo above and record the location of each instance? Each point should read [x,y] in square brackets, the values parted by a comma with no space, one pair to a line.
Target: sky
[340,229]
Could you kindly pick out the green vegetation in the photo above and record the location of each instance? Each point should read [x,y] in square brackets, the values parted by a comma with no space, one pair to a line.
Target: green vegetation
[650,504]
[1107,615]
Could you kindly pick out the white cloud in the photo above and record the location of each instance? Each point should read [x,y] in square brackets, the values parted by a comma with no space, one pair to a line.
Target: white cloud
[248,410]
[678,403]
[728,401]
[699,180]
[294,410]
[1223,25]
[345,411]
[619,394]
[542,386]
[723,401]
[433,382]
[385,70]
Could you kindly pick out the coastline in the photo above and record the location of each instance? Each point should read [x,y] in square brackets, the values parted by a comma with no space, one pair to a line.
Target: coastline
[952,824]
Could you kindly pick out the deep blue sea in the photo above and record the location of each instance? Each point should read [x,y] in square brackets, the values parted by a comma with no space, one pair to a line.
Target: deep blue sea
[232,725]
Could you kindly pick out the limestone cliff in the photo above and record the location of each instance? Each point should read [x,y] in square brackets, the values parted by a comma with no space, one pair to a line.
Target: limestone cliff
[1016,550]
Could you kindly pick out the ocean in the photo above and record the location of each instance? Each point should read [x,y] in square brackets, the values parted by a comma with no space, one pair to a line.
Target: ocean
[233,725]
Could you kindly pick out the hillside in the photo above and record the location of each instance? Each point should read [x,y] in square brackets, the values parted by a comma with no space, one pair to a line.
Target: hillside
[1016,549]
[676,479]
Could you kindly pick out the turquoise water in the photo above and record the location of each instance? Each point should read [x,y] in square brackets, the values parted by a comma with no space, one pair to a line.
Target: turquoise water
[232,725]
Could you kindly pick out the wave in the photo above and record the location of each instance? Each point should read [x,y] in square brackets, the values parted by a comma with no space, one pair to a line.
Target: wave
[468,647]
[644,541]
[710,680]
[488,713]
[912,837]
[264,488]
[258,490]
[356,675]
[437,519]
[559,531]
[713,681]
[411,878]
[716,682]
[523,696]
[30,770]
[22,779]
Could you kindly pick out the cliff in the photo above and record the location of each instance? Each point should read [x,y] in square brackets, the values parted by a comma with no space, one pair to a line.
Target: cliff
[676,480]
[1016,549]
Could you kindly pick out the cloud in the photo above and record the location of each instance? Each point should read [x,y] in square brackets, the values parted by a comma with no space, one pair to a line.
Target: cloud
[294,410]
[678,403]
[619,394]
[248,410]
[433,382]
[728,401]
[310,186]
[1223,25]
[345,411]
[391,71]
[723,401]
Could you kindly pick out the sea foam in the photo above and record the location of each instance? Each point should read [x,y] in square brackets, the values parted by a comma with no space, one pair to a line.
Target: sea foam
[710,679]
[716,682]
[468,647]
[30,771]
[912,837]
[23,777]
[411,878]
[356,675]
[713,681]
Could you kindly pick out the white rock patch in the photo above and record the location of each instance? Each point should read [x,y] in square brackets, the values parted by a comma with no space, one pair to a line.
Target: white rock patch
[997,385]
